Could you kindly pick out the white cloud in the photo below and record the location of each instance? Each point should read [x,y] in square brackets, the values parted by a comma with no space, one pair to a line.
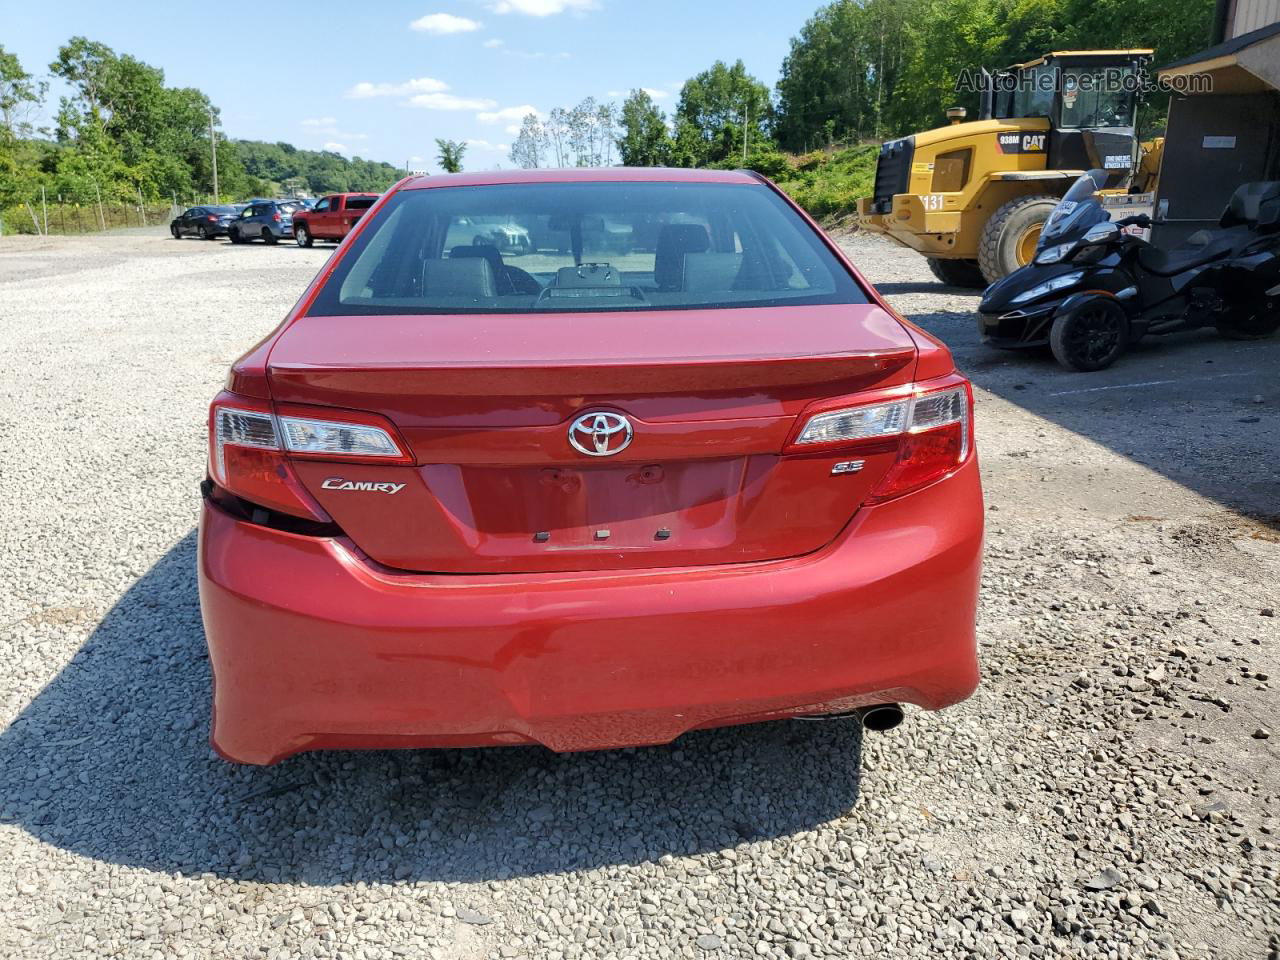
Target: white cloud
[448,101]
[512,128]
[365,90]
[493,43]
[442,23]
[507,113]
[424,93]
[336,147]
[542,8]
[319,122]
[486,145]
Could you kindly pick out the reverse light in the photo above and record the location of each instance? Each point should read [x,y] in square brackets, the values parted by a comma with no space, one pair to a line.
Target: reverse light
[330,438]
[857,423]
[932,428]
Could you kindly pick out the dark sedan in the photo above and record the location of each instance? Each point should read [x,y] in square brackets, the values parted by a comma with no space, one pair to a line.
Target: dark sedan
[203,222]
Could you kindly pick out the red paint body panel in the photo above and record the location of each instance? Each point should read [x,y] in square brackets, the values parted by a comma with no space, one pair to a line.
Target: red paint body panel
[314,647]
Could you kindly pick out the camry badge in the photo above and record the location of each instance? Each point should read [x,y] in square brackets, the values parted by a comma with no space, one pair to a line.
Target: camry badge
[384,486]
[600,434]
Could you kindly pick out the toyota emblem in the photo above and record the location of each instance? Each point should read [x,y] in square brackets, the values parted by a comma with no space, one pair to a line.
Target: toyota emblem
[600,434]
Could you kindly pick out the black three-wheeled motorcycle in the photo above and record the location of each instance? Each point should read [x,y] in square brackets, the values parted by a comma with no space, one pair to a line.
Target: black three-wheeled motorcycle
[1093,289]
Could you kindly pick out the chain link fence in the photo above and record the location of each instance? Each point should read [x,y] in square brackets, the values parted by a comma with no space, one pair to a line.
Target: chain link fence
[51,215]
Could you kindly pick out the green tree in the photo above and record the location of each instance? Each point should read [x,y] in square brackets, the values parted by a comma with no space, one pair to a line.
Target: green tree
[530,145]
[269,165]
[723,104]
[130,133]
[20,94]
[645,141]
[688,148]
[839,77]
[449,155]
[879,68]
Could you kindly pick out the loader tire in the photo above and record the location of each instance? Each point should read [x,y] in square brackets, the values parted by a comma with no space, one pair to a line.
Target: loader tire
[958,273]
[1009,238]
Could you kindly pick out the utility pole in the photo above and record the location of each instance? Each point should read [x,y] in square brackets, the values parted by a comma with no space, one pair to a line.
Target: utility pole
[746,130]
[213,146]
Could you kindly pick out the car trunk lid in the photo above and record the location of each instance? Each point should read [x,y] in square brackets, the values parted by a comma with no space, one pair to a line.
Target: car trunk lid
[486,404]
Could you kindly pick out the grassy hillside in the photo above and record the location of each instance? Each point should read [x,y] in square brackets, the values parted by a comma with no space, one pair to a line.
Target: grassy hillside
[828,185]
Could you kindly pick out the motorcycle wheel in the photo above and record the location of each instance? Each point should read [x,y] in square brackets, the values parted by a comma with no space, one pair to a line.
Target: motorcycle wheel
[1258,320]
[1090,336]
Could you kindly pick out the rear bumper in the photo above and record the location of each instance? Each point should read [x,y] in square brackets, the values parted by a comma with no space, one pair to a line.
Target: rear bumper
[313,647]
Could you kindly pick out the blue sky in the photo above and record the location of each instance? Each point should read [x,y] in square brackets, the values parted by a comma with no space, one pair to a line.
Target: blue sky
[382,80]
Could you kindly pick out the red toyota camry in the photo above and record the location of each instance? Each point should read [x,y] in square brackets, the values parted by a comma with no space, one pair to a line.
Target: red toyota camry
[588,459]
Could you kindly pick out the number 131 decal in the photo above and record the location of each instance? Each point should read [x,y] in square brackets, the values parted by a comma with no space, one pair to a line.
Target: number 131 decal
[932,201]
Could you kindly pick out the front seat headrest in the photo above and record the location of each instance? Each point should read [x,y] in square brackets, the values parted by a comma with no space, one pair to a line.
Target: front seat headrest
[489,253]
[674,241]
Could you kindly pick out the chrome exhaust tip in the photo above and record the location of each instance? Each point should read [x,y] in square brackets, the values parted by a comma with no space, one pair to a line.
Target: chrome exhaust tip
[878,716]
[881,716]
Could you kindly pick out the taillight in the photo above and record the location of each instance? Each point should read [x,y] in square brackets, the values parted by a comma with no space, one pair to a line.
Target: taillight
[211,218]
[275,217]
[931,424]
[250,447]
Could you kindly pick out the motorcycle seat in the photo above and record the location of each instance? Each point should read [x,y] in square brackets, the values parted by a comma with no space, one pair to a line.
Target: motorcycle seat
[1200,248]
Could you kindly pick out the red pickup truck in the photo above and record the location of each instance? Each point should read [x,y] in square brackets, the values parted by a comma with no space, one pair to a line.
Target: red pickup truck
[332,218]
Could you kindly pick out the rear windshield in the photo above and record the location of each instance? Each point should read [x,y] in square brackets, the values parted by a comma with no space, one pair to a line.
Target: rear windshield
[360,203]
[523,248]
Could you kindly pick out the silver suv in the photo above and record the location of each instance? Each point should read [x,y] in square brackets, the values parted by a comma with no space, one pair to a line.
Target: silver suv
[268,220]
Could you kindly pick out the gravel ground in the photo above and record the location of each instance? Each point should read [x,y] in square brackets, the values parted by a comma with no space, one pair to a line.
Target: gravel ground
[1110,791]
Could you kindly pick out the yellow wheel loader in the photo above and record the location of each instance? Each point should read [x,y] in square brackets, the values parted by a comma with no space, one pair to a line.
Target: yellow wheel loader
[973,196]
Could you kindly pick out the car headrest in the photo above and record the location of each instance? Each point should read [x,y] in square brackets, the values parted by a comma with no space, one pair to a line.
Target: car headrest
[485,251]
[674,241]
[711,272]
[1255,205]
[470,277]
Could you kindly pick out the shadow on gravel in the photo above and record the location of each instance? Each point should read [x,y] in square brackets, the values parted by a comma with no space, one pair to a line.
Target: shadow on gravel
[111,761]
[928,286]
[1197,408]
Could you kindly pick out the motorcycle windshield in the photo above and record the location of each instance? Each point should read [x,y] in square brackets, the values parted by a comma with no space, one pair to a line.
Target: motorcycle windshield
[1077,211]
